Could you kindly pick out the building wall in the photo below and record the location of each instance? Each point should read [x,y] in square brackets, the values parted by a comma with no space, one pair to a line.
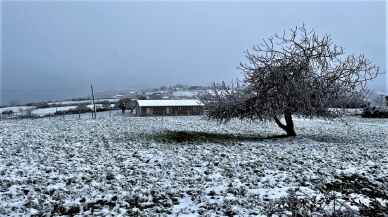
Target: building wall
[169,111]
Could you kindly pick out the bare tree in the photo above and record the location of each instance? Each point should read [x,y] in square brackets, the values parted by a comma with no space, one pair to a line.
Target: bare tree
[123,104]
[126,104]
[295,73]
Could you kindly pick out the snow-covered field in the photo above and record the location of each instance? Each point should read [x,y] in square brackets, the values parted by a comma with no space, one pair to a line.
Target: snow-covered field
[52,110]
[41,112]
[75,102]
[108,166]
[17,109]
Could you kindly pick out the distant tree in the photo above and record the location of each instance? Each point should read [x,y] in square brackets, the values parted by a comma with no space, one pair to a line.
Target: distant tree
[27,113]
[123,104]
[132,105]
[82,108]
[105,104]
[42,105]
[296,73]
[126,104]
[7,112]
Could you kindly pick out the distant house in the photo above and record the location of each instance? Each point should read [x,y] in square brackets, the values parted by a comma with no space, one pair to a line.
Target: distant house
[169,107]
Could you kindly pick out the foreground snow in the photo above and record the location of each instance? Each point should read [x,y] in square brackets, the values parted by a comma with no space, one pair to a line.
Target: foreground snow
[109,167]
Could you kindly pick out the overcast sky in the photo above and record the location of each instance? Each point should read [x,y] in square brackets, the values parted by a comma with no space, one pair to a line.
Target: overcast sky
[55,50]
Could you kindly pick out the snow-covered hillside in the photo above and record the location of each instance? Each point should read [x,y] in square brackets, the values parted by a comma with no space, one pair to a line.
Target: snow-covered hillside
[72,102]
[17,109]
[52,110]
[108,166]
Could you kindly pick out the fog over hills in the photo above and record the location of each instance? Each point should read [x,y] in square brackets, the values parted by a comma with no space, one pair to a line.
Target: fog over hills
[54,50]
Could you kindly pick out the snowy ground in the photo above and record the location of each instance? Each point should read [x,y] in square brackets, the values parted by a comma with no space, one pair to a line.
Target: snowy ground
[47,111]
[108,167]
[72,102]
[61,106]
[42,112]
[16,109]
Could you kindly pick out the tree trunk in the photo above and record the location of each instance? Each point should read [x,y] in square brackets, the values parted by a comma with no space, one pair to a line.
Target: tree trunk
[289,126]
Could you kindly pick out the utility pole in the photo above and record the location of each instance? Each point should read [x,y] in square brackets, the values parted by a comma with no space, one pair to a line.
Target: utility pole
[94,105]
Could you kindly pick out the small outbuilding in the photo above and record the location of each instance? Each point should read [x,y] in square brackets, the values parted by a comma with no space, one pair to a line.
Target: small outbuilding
[169,107]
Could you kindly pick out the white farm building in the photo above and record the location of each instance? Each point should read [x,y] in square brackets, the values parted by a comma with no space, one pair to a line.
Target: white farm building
[169,107]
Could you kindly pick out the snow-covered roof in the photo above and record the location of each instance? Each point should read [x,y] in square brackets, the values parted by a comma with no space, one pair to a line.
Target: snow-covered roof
[156,103]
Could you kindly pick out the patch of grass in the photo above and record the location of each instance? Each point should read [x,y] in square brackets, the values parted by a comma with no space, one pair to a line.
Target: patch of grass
[327,205]
[306,206]
[355,183]
[195,137]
